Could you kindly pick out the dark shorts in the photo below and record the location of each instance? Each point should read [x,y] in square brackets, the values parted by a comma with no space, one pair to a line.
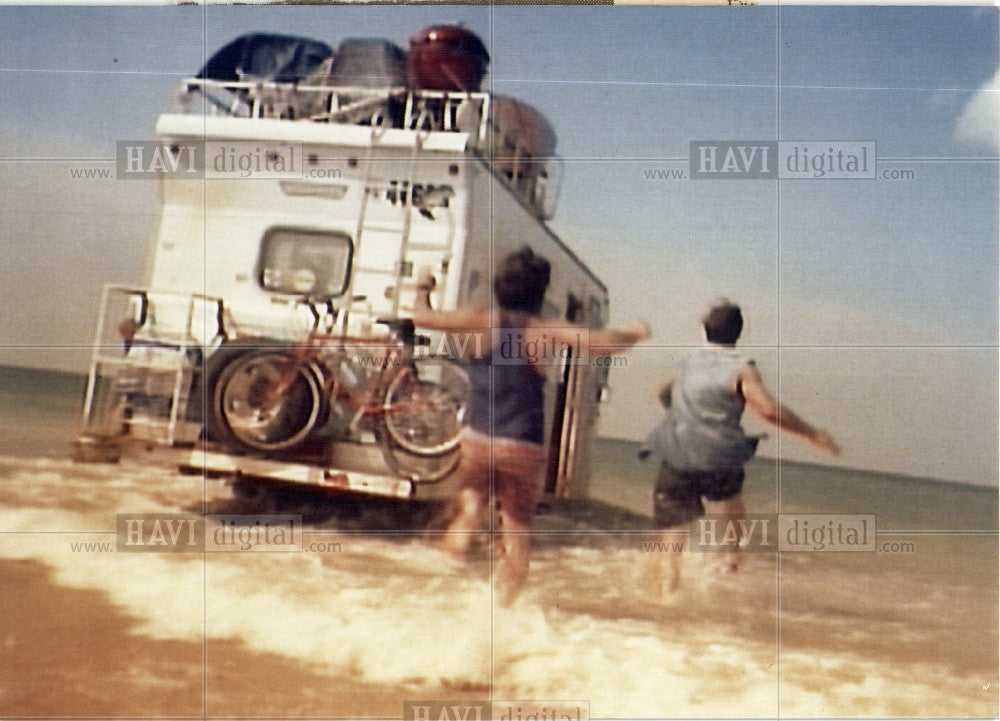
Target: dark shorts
[677,497]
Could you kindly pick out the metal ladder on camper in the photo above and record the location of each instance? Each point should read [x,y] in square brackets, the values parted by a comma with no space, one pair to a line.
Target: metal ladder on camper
[403,266]
[365,226]
[404,197]
[445,248]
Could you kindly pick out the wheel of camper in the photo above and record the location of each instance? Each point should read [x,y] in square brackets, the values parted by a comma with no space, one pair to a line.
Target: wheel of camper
[425,405]
[248,412]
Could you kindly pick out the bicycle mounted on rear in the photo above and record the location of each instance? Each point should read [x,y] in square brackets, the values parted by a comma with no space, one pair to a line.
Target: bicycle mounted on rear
[273,397]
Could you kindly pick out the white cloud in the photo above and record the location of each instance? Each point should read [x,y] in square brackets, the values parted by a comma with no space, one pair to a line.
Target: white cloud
[979,122]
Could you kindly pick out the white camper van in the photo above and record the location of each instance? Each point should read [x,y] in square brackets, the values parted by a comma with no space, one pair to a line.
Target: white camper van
[302,190]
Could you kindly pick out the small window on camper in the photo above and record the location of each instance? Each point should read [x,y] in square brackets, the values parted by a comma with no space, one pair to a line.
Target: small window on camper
[305,262]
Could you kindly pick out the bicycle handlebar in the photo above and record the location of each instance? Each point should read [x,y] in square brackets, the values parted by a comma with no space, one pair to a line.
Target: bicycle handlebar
[402,327]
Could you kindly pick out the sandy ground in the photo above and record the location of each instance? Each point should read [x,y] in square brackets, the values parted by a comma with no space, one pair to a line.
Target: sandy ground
[70,653]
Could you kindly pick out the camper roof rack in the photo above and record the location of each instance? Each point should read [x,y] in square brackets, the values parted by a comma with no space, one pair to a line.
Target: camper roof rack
[395,107]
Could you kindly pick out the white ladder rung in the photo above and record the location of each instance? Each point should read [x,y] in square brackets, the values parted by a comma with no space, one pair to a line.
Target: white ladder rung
[393,272]
[383,228]
[426,247]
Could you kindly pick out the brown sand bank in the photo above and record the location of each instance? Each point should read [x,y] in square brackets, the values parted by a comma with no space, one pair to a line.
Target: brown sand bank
[70,653]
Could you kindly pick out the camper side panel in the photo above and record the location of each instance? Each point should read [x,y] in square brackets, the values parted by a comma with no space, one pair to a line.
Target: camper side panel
[499,224]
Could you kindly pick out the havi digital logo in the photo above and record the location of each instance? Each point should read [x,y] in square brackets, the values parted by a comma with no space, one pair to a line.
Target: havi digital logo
[762,159]
[741,159]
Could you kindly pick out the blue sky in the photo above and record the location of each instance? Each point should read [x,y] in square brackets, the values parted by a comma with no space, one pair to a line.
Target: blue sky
[871,304]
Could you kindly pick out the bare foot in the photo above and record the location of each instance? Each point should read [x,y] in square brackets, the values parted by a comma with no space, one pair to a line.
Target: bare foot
[726,568]
[669,597]
[506,596]
[454,544]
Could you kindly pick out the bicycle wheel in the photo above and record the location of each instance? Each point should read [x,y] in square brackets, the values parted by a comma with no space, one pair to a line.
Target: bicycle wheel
[248,419]
[425,405]
[417,468]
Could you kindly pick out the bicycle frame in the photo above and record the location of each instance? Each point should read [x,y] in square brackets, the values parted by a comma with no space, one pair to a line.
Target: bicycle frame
[273,398]
[364,395]
[324,350]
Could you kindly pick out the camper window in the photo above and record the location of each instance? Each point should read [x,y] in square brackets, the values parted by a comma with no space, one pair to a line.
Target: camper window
[305,262]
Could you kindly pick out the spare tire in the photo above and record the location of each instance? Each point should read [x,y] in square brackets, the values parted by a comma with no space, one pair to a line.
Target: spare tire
[243,418]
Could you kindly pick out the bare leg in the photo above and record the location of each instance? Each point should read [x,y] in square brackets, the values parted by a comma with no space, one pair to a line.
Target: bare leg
[666,569]
[458,537]
[732,510]
[513,561]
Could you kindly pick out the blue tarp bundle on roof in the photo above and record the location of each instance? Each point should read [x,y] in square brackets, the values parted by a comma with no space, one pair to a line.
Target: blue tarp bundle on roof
[260,56]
